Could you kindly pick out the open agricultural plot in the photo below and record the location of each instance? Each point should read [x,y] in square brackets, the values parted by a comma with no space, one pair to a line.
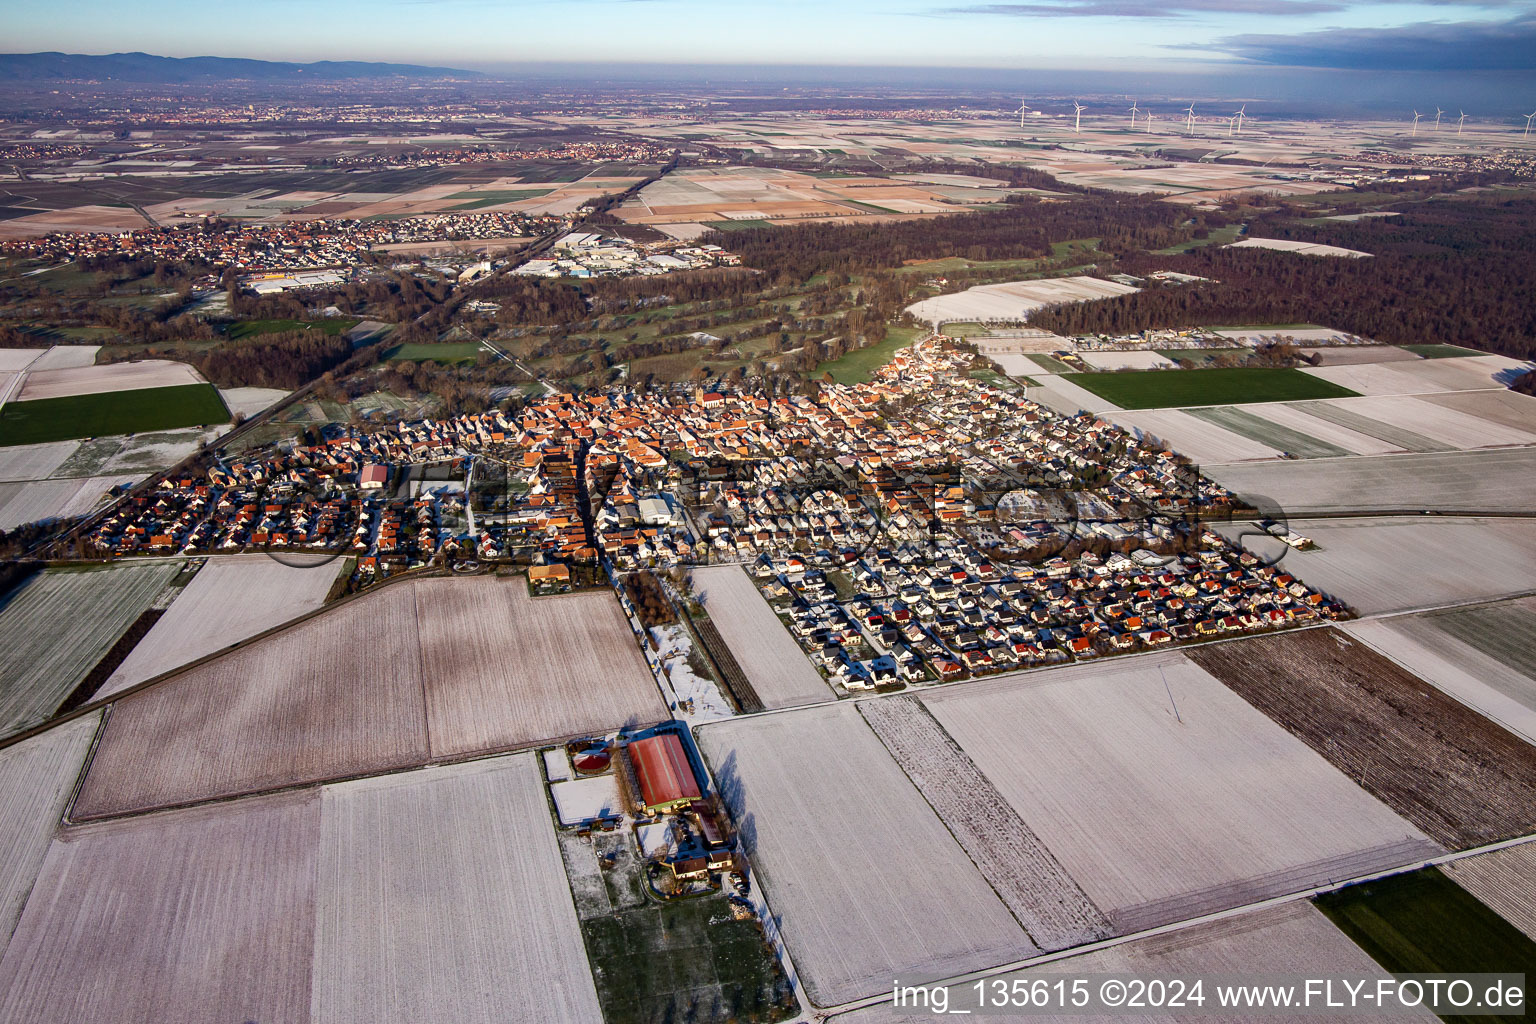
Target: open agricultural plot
[441,898]
[36,500]
[1199,439]
[34,461]
[338,695]
[1423,921]
[204,914]
[577,669]
[1445,427]
[1300,248]
[1292,938]
[1024,874]
[1502,479]
[1421,376]
[232,598]
[1468,653]
[775,666]
[1504,880]
[1454,774]
[1345,355]
[1506,408]
[124,412]
[414,671]
[1059,393]
[1012,301]
[1137,360]
[1319,431]
[1215,386]
[1400,564]
[816,797]
[109,377]
[95,606]
[37,777]
[247,402]
[1236,811]
[1293,443]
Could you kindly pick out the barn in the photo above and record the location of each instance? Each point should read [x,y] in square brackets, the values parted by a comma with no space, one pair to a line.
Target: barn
[666,778]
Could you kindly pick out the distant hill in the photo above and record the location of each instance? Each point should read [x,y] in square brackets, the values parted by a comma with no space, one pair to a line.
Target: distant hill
[146,67]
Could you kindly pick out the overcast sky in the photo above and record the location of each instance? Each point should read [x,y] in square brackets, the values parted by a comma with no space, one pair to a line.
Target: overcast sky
[1365,35]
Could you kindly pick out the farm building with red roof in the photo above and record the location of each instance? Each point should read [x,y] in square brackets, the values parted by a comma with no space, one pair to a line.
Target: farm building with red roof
[666,778]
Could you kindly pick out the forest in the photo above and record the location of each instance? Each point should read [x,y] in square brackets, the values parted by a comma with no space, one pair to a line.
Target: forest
[1455,271]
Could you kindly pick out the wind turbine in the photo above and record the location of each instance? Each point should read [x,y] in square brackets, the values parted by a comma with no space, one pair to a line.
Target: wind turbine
[1023,109]
[1239,115]
[1149,122]
[1459,122]
[1077,116]
[1134,112]
[1231,123]
[1189,124]
[1415,132]
[1438,112]
[1528,118]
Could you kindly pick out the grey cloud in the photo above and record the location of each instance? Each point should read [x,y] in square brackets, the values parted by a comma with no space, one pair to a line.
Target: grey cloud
[1427,46]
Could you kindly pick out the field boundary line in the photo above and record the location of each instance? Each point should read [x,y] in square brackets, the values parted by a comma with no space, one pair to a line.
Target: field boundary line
[1220,915]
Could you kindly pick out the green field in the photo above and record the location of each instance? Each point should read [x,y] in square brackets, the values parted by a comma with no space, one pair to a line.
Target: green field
[968,329]
[856,366]
[495,197]
[1201,356]
[737,225]
[1160,389]
[114,412]
[1220,236]
[1423,922]
[446,352]
[1441,351]
[254,328]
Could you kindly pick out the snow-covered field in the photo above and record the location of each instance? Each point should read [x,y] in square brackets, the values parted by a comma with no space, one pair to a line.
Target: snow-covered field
[1060,394]
[1396,564]
[441,899]
[1458,373]
[34,461]
[231,598]
[37,776]
[250,401]
[1163,793]
[582,800]
[59,625]
[867,882]
[1139,360]
[1189,435]
[698,698]
[1504,880]
[1301,248]
[54,499]
[92,380]
[1013,300]
[1448,426]
[775,666]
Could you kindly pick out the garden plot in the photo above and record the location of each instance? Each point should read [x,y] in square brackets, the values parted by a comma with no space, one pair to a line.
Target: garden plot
[335,696]
[1292,442]
[205,914]
[1199,439]
[1024,874]
[441,898]
[59,624]
[1292,938]
[232,598]
[1457,776]
[503,669]
[95,380]
[1504,880]
[37,776]
[1321,430]
[775,666]
[1164,794]
[866,880]
[1060,394]
[1506,408]
[1139,360]
[1391,565]
[1504,694]
[1447,426]
[34,461]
